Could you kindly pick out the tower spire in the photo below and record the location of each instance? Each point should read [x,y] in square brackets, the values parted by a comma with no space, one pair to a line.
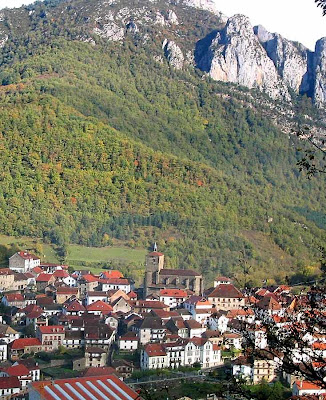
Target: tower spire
[155,247]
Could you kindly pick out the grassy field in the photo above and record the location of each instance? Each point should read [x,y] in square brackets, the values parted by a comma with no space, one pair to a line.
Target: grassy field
[80,256]
[102,254]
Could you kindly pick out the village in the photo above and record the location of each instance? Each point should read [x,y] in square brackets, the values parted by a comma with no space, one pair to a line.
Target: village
[56,322]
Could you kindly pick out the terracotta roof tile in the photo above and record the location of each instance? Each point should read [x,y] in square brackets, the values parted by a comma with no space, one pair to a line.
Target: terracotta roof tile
[19,344]
[226,290]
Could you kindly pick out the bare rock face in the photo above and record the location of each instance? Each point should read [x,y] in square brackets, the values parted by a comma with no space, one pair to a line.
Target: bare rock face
[320,73]
[173,54]
[290,59]
[172,17]
[236,55]
[110,31]
[208,5]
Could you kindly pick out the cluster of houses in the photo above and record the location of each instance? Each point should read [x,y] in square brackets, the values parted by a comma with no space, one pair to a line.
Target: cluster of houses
[169,327]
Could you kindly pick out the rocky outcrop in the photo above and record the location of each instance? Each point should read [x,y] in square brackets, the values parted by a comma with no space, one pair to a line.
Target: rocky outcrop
[173,54]
[110,31]
[320,73]
[290,59]
[208,5]
[236,55]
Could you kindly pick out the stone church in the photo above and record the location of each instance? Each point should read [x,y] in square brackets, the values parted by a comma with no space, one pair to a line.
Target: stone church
[157,277]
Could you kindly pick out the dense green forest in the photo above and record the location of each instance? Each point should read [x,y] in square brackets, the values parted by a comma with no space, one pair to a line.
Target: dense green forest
[102,141]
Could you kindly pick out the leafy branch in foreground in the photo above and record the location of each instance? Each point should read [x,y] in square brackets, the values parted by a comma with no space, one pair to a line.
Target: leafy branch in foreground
[314,159]
[321,4]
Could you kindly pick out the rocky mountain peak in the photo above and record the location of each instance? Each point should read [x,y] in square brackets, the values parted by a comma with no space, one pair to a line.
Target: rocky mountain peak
[236,55]
[194,33]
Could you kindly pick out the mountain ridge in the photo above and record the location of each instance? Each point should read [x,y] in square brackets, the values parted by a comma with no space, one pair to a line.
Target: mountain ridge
[274,66]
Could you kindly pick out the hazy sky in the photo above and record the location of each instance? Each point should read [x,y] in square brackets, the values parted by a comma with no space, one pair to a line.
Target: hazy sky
[297,20]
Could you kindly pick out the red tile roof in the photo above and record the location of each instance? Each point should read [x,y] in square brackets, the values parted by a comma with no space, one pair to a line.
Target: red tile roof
[306,385]
[34,314]
[17,370]
[89,278]
[9,382]
[31,307]
[11,297]
[52,329]
[130,336]
[37,270]
[132,295]
[99,371]
[319,346]
[27,256]
[222,279]
[99,305]
[20,344]
[198,341]
[268,303]
[6,271]
[60,273]
[75,306]
[112,273]
[155,349]
[44,277]
[177,293]
[155,254]
[226,290]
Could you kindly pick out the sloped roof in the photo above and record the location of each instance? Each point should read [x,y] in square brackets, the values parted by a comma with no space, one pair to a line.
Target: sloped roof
[112,273]
[177,293]
[9,382]
[34,314]
[52,329]
[20,344]
[75,306]
[87,388]
[306,385]
[151,322]
[17,370]
[67,290]
[27,256]
[60,273]
[99,371]
[14,297]
[222,279]
[37,270]
[6,271]
[130,336]
[89,278]
[99,305]
[192,324]
[44,277]
[268,303]
[21,277]
[198,300]
[226,290]
[155,349]
[155,254]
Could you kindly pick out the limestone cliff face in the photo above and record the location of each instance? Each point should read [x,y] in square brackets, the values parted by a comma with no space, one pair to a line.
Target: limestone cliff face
[173,54]
[236,55]
[194,34]
[290,59]
[320,72]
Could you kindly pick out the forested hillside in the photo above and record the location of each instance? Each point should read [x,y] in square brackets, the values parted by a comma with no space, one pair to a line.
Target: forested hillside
[100,141]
